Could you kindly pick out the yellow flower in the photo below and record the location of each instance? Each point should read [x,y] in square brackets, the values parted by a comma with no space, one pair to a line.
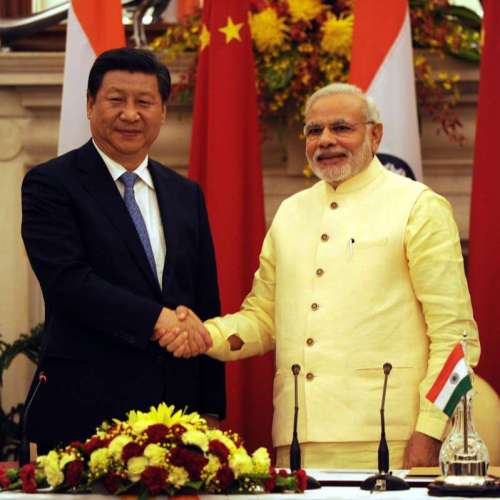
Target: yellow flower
[196,438]
[268,30]
[223,438]
[178,477]
[304,10]
[155,454]
[65,459]
[51,468]
[337,35]
[210,470]
[116,446]
[163,414]
[135,467]
[261,461]
[240,462]
[99,461]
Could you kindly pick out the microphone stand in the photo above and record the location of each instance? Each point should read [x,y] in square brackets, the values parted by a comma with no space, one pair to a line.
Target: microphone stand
[384,480]
[295,457]
[23,451]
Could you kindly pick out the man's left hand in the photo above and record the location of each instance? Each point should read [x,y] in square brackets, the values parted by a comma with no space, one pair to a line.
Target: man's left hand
[421,451]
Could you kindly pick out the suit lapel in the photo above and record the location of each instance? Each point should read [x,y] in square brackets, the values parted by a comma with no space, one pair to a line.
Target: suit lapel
[98,182]
[167,202]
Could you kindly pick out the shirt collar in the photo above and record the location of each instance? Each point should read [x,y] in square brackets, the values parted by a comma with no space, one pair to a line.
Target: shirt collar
[116,170]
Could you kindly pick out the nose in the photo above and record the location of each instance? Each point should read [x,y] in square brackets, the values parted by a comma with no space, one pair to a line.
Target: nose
[327,138]
[129,113]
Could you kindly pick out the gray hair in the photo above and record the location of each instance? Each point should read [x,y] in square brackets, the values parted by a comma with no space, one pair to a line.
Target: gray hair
[372,112]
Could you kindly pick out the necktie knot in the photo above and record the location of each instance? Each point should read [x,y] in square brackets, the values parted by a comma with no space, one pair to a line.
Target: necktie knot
[128,179]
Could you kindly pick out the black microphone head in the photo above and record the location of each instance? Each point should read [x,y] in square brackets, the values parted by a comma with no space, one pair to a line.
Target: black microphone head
[295,369]
[387,368]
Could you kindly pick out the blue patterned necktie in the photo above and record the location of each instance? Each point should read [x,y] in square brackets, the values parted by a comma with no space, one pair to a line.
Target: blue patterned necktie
[128,179]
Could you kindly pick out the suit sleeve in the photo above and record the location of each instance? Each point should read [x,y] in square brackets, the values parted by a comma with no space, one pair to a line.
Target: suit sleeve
[437,274]
[212,374]
[50,230]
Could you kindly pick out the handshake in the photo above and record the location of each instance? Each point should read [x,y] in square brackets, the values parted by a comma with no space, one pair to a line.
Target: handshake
[182,333]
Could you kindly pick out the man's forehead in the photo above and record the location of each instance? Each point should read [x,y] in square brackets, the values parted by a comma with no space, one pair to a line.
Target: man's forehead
[337,107]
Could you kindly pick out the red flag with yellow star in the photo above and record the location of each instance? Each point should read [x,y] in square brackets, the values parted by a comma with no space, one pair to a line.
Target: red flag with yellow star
[225,160]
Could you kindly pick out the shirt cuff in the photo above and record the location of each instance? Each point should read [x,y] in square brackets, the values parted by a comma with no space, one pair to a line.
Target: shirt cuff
[432,424]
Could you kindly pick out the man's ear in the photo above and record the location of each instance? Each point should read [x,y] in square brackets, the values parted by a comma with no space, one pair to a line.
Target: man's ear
[90,105]
[376,136]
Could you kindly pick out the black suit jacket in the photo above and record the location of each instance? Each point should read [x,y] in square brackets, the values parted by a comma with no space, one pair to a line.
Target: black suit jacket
[102,299]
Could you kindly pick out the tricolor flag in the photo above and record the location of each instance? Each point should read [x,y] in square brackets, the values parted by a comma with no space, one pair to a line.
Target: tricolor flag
[452,383]
[93,27]
[225,160]
[382,66]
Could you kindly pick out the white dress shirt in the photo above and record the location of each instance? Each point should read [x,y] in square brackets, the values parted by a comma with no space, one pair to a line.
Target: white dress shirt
[145,196]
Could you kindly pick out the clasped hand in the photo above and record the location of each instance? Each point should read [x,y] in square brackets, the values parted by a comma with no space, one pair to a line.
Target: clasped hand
[182,333]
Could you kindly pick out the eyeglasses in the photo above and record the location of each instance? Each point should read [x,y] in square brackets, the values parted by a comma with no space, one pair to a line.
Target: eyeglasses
[339,129]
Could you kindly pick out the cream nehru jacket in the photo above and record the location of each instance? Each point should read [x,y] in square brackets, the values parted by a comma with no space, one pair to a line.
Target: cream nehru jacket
[339,292]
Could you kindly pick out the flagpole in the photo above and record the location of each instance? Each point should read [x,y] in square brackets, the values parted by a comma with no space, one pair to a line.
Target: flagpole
[464,397]
[466,437]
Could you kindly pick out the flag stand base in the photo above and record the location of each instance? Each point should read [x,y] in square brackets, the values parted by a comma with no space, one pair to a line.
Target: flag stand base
[384,482]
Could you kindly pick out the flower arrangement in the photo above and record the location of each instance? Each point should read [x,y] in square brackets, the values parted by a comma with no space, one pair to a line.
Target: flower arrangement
[302,45]
[162,451]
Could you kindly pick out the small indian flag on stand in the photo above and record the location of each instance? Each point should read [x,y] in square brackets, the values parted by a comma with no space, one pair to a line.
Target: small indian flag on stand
[452,383]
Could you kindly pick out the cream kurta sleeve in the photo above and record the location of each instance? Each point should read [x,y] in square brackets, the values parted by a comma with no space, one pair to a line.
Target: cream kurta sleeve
[437,273]
[254,323]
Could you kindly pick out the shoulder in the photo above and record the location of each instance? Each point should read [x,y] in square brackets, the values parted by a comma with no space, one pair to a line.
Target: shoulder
[162,173]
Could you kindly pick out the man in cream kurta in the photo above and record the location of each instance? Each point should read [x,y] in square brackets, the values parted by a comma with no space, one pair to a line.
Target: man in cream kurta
[363,268]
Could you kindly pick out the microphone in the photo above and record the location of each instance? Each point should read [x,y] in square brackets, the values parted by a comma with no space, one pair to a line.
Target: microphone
[23,451]
[384,480]
[295,458]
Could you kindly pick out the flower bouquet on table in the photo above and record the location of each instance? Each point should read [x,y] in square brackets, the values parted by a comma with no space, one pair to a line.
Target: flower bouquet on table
[163,451]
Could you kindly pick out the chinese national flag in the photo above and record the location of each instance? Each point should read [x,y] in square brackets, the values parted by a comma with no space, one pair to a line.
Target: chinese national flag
[484,245]
[225,160]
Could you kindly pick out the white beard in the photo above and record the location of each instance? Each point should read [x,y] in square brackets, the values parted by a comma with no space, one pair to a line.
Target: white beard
[334,174]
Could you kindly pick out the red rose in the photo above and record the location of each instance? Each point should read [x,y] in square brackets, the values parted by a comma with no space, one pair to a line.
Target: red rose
[193,462]
[93,444]
[282,473]
[225,477]
[154,479]
[27,476]
[112,482]
[131,450]
[301,480]
[73,473]
[4,480]
[76,444]
[270,484]
[219,449]
[156,433]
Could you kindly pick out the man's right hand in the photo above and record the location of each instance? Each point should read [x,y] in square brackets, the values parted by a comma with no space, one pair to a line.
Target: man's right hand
[182,332]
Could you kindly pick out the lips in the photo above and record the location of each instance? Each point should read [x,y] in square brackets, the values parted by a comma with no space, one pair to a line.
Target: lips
[325,156]
[127,132]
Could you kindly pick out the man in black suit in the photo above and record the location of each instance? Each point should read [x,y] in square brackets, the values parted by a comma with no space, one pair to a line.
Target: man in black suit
[114,257]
